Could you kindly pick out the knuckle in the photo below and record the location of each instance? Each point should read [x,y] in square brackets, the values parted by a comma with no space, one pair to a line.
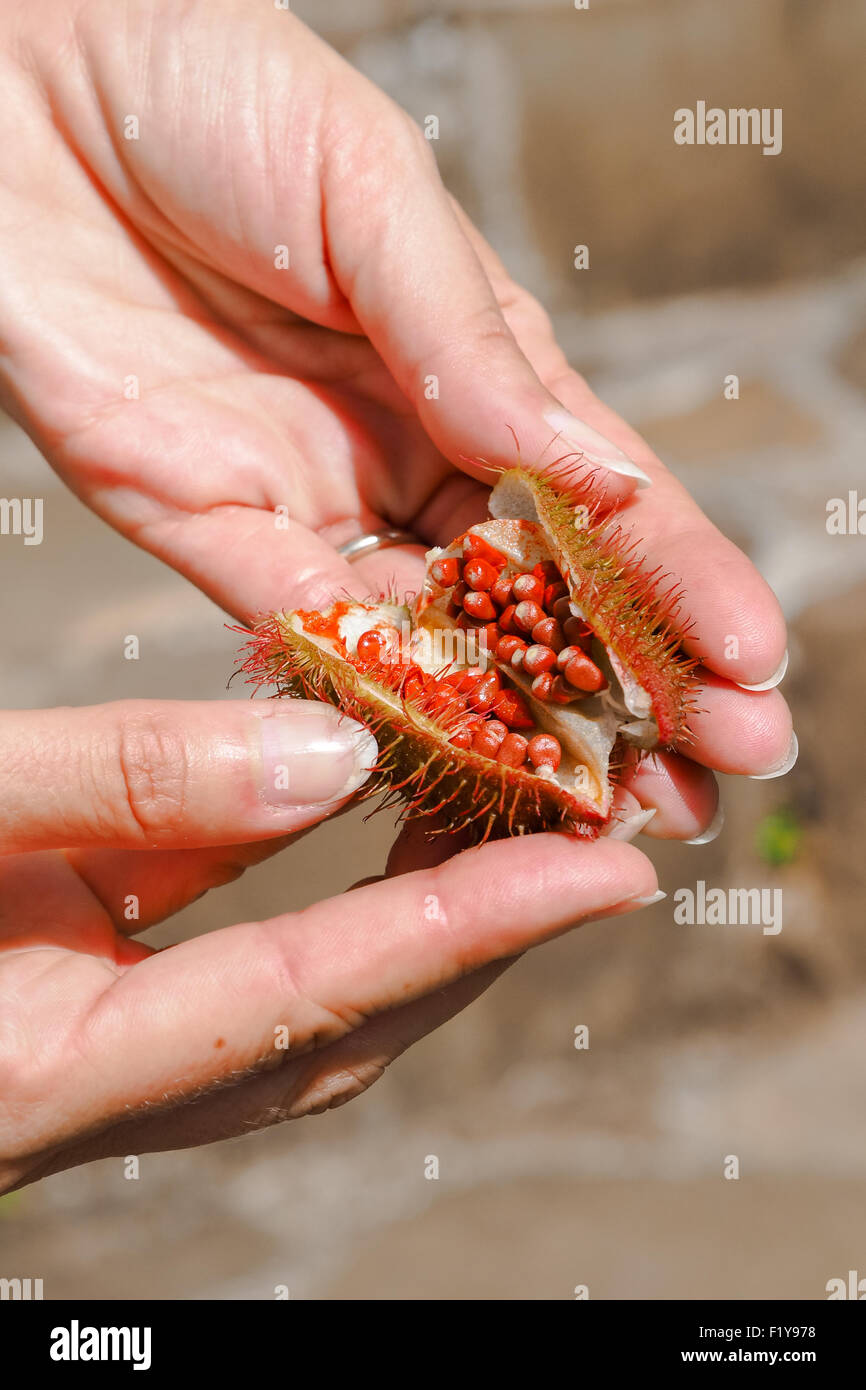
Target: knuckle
[153,767]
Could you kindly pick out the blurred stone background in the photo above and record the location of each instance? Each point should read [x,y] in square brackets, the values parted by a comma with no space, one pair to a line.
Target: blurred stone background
[561,1167]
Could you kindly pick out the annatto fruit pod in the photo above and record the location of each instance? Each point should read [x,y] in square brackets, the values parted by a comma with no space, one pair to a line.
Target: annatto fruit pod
[504,695]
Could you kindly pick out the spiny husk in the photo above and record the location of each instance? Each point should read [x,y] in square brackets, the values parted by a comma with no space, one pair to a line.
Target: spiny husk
[417,764]
[635,613]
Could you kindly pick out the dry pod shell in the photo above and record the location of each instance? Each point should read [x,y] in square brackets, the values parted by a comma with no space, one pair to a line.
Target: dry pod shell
[504,694]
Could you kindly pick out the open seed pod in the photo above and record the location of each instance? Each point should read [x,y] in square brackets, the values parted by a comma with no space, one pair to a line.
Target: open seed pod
[504,694]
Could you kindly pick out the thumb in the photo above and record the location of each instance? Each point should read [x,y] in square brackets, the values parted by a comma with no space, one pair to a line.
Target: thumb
[142,774]
[420,293]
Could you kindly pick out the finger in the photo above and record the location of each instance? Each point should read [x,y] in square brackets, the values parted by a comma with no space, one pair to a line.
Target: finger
[305,1085]
[168,774]
[683,796]
[202,1012]
[421,295]
[749,734]
[736,624]
[138,888]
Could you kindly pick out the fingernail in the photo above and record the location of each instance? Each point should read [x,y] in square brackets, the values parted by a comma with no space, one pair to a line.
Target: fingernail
[648,902]
[311,754]
[594,447]
[712,831]
[783,767]
[777,676]
[632,825]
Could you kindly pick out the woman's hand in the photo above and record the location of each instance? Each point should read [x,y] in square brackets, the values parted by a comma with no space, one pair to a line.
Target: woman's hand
[109,1048]
[234,283]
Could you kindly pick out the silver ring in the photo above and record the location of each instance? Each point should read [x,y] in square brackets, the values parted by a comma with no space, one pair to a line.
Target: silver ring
[375,540]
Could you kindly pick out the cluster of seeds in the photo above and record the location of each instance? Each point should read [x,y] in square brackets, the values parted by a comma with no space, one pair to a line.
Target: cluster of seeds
[471,705]
[525,620]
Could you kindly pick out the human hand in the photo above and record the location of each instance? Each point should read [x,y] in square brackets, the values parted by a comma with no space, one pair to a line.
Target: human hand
[152,261]
[108,1047]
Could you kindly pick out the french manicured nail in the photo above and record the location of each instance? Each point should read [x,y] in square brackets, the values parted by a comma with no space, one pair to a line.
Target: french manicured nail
[632,825]
[777,677]
[648,902]
[311,754]
[594,447]
[783,767]
[712,831]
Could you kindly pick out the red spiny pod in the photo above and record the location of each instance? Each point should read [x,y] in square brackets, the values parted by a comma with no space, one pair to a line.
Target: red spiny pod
[497,749]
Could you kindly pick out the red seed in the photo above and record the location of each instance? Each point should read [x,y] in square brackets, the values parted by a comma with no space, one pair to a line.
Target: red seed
[544,751]
[370,646]
[561,609]
[412,688]
[489,738]
[565,655]
[477,548]
[541,685]
[458,594]
[549,633]
[552,689]
[489,636]
[510,706]
[468,679]
[443,699]
[583,673]
[479,574]
[561,692]
[526,586]
[482,695]
[576,631]
[501,591]
[506,618]
[507,646]
[446,571]
[538,658]
[462,738]
[553,593]
[547,571]
[526,615]
[480,605]
[512,750]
